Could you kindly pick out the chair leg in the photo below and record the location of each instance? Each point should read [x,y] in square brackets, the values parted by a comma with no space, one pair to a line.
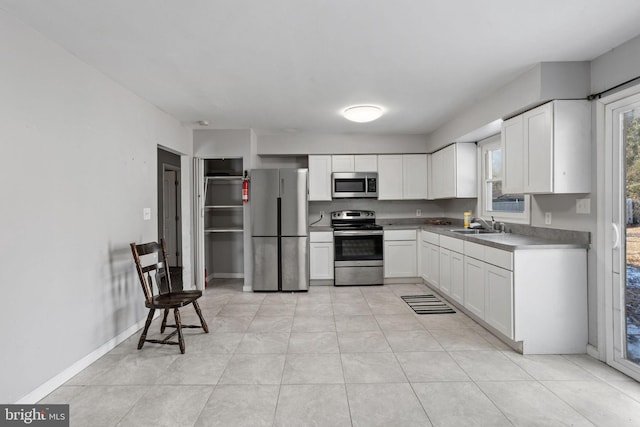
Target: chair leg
[202,321]
[164,321]
[143,337]
[176,314]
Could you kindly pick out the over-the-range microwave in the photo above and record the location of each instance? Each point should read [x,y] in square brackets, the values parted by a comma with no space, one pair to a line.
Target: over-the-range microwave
[348,185]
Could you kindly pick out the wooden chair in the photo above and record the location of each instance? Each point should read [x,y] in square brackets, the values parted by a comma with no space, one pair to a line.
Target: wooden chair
[152,266]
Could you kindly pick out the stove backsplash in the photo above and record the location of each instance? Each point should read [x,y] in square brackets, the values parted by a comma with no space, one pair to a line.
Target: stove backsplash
[383,208]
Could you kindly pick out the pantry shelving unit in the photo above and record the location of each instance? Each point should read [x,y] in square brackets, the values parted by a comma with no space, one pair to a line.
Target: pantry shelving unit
[223,213]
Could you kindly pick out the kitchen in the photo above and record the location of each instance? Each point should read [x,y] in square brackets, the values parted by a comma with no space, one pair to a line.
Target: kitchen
[124,131]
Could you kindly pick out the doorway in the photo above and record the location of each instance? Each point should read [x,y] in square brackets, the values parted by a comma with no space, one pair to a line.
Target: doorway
[622,178]
[169,210]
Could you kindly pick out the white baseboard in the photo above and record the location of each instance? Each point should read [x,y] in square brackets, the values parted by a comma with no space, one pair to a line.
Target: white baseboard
[225,276]
[247,288]
[64,376]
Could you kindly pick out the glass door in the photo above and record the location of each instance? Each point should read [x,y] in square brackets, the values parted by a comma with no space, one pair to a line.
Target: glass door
[624,127]
[629,134]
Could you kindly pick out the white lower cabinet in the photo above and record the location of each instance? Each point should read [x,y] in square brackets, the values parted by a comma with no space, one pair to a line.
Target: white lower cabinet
[536,298]
[400,259]
[425,273]
[321,256]
[400,253]
[457,277]
[430,258]
[474,286]
[445,271]
[499,299]
[430,263]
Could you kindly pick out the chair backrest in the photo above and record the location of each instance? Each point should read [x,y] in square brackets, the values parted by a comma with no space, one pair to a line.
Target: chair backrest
[153,268]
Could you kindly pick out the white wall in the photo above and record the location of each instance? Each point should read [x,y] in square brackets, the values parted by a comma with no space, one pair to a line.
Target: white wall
[303,143]
[616,66]
[543,82]
[79,167]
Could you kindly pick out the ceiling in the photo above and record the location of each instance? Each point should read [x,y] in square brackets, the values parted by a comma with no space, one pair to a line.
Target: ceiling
[292,65]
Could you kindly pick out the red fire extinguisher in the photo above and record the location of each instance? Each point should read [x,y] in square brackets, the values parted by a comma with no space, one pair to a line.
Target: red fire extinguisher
[245,188]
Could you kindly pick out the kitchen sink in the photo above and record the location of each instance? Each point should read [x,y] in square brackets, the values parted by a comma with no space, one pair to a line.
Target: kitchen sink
[473,231]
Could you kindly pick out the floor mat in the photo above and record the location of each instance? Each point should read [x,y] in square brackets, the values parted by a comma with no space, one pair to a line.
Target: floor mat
[427,304]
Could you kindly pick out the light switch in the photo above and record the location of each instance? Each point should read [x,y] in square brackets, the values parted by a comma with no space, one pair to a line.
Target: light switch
[146,214]
[583,206]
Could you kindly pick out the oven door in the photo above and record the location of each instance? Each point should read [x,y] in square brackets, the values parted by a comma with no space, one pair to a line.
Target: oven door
[355,246]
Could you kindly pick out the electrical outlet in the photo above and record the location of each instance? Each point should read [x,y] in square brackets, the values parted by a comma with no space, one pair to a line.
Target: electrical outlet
[583,206]
[547,218]
[146,214]
[321,214]
[418,212]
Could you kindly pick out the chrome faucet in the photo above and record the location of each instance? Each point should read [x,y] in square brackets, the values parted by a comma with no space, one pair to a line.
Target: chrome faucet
[489,226]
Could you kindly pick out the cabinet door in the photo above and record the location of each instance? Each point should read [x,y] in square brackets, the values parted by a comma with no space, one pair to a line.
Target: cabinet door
[499,299]
[512,139]
[434,265]
[366,163]
[457,277]
[342,163]
[319,177]
[474,286]
[390,177]
[414,176]
[443,173]
[424,261]
[445,271]
[538,142]
[321,260]
[400,258]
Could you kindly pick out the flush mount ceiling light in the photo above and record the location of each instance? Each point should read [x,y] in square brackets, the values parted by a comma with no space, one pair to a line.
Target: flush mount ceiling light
[362,113]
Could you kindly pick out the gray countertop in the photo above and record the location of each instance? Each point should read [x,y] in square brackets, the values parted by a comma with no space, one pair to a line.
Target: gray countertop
[506,241]
[535,237]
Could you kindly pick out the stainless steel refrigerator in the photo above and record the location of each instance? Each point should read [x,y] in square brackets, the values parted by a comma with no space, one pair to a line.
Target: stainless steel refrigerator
[279,229]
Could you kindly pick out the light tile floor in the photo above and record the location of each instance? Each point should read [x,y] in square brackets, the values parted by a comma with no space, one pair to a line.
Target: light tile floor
[353,356]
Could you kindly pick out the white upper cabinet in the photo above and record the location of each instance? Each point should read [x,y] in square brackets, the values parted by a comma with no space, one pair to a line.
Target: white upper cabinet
[366,162]
[414,168]
[453,172]
[390,177]
[512,139]
[354,163]
[320,177]
[402,176]
[552,154]
[342,163]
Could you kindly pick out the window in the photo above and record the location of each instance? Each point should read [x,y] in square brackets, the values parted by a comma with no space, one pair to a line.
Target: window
[492,201]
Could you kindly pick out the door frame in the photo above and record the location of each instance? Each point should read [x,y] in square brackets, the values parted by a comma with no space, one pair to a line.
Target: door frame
[610,237]
[178,197]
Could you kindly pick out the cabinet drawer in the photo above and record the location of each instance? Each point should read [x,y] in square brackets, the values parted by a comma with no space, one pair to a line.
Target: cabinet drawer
[452,244]
[430,237]
[400,234]
[321,236]
[503,259]
[474,250]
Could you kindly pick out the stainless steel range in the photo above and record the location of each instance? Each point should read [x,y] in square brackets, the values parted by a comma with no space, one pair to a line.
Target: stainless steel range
[358,248]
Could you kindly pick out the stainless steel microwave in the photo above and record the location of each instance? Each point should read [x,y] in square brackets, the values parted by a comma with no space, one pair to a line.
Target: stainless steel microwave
[349,185]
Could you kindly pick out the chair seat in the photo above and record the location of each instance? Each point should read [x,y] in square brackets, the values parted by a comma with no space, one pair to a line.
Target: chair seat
[174,299]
